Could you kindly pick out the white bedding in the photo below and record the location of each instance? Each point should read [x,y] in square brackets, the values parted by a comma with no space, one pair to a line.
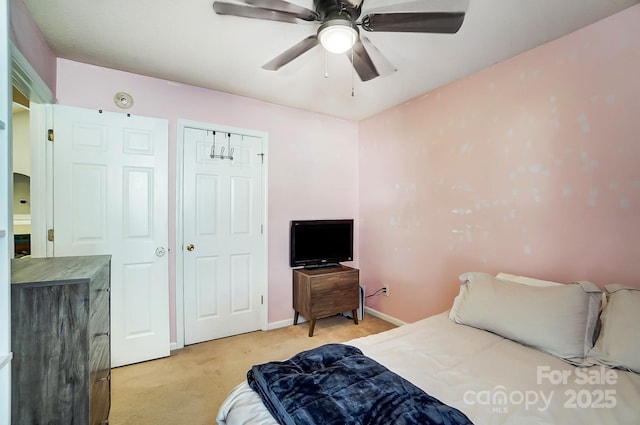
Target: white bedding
[491,379]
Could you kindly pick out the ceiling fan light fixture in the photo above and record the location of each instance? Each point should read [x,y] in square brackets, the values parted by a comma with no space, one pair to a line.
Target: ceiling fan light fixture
[337,35]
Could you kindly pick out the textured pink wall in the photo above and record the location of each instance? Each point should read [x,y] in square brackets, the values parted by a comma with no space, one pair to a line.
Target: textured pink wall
[26,36]
[312,158]
[531,166]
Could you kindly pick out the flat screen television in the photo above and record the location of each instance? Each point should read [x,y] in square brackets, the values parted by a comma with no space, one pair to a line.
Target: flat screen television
[320,243]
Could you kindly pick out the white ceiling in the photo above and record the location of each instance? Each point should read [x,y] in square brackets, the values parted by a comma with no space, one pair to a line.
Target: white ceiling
[187,42]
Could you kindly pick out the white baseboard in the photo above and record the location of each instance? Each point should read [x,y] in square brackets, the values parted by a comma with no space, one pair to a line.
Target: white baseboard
[174,346]
[284,323]
[280,324]
[383,316]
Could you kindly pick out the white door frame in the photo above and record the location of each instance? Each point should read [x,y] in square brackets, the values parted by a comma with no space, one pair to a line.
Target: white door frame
[25,78]
[6,221]
[179,250]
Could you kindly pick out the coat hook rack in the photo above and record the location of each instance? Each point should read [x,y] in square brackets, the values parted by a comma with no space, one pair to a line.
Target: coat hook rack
[213,154]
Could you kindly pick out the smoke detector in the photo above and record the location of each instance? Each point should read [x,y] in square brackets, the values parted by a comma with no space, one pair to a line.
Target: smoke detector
[123,100]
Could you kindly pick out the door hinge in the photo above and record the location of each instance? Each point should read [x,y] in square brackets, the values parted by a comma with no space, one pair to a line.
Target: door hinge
[261,299]
[261,155]
[50,134]
[50,235]
[262,229]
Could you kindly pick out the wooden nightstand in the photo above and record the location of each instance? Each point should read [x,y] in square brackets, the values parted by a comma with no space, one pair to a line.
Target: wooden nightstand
[324,292]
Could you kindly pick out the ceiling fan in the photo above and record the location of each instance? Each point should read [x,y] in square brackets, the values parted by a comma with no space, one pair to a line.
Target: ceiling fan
[338,31]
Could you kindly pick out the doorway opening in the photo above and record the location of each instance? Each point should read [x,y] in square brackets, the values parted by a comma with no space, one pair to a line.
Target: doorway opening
[21,144]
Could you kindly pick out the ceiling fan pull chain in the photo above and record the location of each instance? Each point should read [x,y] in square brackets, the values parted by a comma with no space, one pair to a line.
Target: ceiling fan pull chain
[353,91]
[326,64]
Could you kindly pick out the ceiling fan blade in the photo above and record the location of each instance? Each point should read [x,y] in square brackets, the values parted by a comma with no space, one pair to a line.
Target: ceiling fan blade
[284,6]
[222,8]
[423,6]
[381,63]
[291,53]
[362,62]
[424,22]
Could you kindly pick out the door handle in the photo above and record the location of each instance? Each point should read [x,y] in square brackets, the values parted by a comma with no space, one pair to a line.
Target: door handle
[160,251]
[191,247]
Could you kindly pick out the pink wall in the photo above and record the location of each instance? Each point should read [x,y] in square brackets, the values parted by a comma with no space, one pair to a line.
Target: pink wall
[308,153]
[531,166]
[527,167]
[26,36]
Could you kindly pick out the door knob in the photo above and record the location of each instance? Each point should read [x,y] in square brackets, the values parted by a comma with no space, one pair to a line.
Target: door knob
[160,251]
[191,247]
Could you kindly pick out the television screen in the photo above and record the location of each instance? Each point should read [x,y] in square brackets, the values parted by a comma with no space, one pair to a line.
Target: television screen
[317,243]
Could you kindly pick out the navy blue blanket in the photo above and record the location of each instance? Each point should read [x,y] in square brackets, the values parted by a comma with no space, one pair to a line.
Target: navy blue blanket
[336,384]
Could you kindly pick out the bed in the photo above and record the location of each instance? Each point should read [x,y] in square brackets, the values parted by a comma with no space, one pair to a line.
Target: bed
[493,379]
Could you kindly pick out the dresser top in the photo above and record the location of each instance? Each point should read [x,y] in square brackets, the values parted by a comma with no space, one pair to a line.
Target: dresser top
[55,270]
[319,271]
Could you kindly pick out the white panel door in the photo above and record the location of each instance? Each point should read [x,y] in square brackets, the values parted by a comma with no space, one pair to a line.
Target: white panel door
[110,197]
[224,253]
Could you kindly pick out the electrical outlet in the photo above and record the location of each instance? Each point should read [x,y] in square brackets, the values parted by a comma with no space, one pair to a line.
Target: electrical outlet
[385,290]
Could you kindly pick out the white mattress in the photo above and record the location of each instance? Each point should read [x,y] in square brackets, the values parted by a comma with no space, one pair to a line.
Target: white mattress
[491,379]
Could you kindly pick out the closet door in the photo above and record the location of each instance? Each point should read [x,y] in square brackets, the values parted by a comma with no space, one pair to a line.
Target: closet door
[224,252]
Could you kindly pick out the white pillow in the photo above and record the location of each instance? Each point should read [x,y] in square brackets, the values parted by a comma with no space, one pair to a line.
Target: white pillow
[558,319]
[526,280]
[537,282]
[504,276]
[618,344]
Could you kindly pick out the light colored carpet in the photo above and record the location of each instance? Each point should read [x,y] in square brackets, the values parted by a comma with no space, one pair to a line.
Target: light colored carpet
[188,387]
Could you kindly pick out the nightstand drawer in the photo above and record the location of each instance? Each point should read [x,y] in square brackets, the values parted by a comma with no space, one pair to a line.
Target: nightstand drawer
[331,304]
[334,286]
[333,296]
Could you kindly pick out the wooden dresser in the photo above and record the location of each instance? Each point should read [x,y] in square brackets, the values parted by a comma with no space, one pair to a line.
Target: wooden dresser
[324,292]
[61,342]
